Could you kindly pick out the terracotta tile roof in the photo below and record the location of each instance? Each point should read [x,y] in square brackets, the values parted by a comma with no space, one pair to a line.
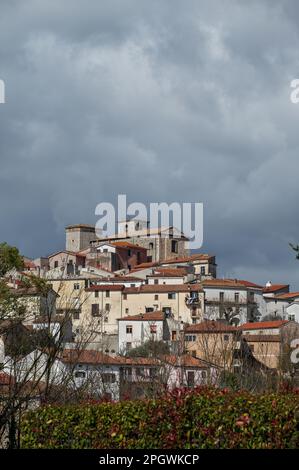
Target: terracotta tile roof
[148,316]
[87,356]
[104,287]
[248,283]
[229,283]
[289,295]
[262,338]
[210,326]
[188,259]
[186,360]
[164,272]
[160,288]
[124,279]
[124,244]
[29,264]
[140,266]
[275,288]
[263,325]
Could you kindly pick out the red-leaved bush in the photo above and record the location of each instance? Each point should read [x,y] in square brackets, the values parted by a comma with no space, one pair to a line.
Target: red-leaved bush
[197,419]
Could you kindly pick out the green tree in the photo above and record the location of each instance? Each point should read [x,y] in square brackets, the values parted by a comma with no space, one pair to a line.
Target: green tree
[9,258]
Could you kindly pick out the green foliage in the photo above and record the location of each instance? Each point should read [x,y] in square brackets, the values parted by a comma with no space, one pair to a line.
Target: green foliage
[9,258]
[192,419]
[149,349]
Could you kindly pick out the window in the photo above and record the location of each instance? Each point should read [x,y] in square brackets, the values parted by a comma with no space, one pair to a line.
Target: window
[140,372]
[126,310]
[292,318]
[107,293]
[76,286]
[251,346]
[153,373]
[190,378]
[237,297]
[226,337]
[221,296]
[149,309]
[174,246]
[156,297]
[129,252]
[156,281]
[108,378]
[202,270]
[153,328]
[190,338]
[107,307]
[80,374]
[128,346]
[151,246]
[105,250]
[125,296]
[55,264]
[129,329]
[76,315]
[204,374]
[166,310]
[171,295]
[96,294]
[95,310]
[251,296]
[173,335]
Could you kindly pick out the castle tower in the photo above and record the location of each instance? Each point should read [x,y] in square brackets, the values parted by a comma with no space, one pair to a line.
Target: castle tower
[78,237]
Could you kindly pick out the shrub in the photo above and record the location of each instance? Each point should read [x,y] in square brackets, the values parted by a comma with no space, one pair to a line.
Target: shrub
[192,419]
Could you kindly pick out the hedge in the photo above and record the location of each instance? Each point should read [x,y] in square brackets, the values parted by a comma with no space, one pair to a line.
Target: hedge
[199,419]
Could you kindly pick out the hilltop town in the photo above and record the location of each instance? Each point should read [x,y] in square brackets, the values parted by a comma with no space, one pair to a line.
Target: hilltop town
[136,309]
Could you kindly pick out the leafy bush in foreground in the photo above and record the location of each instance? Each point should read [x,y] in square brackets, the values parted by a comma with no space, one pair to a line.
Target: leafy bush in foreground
[201,418]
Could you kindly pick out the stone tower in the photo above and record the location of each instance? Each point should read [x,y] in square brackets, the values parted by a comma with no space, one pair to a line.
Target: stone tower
[78,237]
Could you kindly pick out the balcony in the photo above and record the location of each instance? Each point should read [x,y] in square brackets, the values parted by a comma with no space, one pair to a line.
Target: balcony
[192,300]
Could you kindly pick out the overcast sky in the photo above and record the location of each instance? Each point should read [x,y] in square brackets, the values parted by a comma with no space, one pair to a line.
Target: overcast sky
[160,100]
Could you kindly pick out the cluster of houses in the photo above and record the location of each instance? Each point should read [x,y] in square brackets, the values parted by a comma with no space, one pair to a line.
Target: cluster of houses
[110,297]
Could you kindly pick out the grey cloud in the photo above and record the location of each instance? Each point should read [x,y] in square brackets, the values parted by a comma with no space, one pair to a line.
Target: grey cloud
[158,101]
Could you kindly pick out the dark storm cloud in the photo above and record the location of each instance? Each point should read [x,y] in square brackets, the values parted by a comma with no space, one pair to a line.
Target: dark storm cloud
[163,101]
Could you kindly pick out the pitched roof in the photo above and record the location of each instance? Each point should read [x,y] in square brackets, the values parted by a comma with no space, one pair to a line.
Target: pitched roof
[228,283]
[164,272]
[123,279]
[67,252]
[188,259]
[148,264]
[248,283]
[289,295]
[262,338]
[160,288]
[208,326]
[148,316]
[86,356]
[186,360]
[104,287]
[263,325]
[124,244]
[90,356]
[275,288]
